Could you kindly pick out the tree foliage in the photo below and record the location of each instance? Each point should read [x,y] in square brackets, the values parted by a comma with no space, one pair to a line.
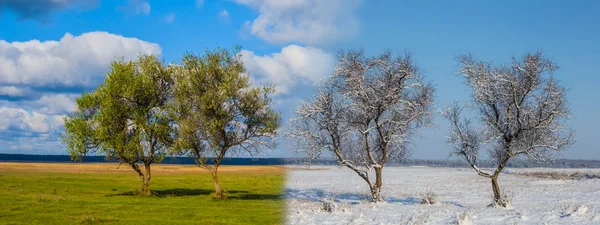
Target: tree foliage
[218,112]
[365,114]
[125,117]
[522,111]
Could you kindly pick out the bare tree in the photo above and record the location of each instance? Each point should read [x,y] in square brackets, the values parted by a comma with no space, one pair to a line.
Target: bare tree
[522,110]
[364,114]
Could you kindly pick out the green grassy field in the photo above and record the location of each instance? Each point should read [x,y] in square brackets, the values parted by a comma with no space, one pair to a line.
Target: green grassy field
[80,195]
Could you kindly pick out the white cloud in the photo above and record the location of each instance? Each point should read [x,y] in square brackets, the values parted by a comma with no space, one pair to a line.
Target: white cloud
[40,80]
[56,104]
[303,21]
[35,144]
[169,18]
[224,15]
[57,121]
[31,130]
[13,91]
[292,65]
[17,119]
[73,61]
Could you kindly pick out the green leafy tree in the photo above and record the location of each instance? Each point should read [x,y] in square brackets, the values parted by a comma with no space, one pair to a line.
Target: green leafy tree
[126,117]
[218,112]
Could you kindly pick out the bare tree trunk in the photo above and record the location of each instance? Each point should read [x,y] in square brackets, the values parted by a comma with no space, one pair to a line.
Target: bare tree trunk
[496,188]
[376,189]
[376,194]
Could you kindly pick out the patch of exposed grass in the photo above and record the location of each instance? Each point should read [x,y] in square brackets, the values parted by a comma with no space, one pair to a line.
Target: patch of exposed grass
[33,197]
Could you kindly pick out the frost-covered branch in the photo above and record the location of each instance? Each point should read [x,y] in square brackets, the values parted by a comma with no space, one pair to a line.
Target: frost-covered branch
[522,109]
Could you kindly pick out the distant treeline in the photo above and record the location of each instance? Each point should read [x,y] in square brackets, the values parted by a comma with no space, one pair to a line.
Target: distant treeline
[516,163]
[563,163]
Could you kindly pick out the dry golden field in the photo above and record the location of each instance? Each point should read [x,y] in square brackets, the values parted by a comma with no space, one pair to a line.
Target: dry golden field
[157,169]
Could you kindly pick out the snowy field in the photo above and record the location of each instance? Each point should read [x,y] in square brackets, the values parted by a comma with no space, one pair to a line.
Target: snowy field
[460,191]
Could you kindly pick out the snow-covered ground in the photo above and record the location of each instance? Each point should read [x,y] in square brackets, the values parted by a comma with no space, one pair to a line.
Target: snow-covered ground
[460,191]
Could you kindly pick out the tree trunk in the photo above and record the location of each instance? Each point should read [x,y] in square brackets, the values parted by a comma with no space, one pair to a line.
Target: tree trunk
[376,188]
[376,194]
[218,192]
[496,189]
[495,186]
[146,181]
[145,189]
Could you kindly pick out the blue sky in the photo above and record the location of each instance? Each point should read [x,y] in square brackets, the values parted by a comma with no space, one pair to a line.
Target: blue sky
[51,51]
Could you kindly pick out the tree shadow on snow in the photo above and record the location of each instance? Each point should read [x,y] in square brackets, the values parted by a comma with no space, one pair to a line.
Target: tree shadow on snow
[417,201]
[316,195]
[405,201]
[453,203]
